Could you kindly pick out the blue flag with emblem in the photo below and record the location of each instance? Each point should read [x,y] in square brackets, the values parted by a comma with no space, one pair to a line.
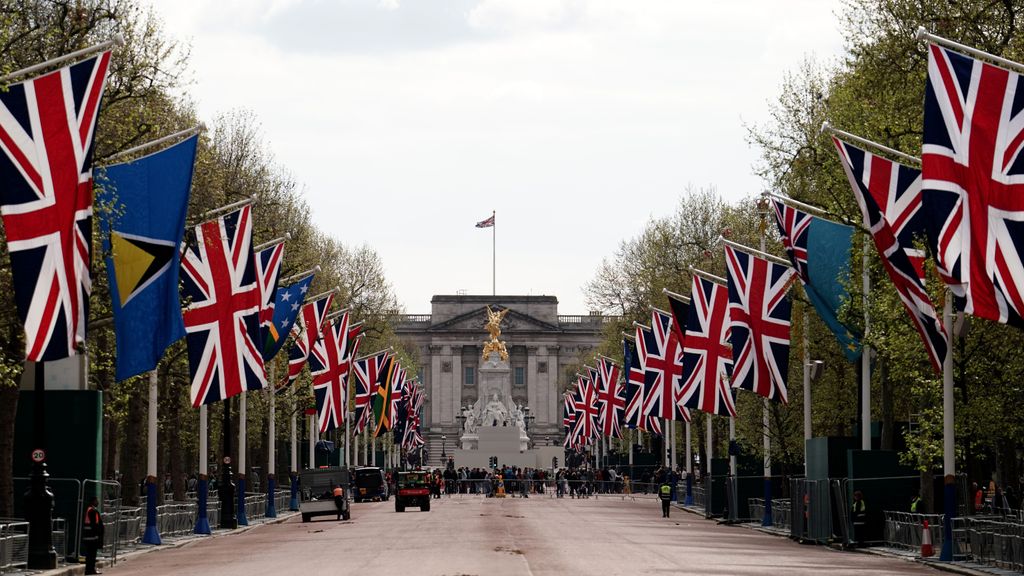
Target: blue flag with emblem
[819,250]
[147,200]
[287,303]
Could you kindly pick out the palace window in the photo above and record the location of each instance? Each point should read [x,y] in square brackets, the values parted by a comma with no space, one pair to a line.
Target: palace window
[520,376]
[470,376]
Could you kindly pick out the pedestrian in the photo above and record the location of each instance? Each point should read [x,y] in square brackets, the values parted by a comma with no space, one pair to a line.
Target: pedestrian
[92,535]
[665,494]
[339,499]
[859,515]
[915,504]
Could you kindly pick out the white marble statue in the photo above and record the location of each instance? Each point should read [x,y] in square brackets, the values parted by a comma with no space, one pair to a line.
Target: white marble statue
[495,413]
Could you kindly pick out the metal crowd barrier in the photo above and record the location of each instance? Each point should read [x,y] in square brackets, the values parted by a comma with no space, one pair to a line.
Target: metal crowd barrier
[904,530]
[995,542]
[13,544]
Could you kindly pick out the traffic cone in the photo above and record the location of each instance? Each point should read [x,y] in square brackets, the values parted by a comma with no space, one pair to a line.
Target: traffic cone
[927,550]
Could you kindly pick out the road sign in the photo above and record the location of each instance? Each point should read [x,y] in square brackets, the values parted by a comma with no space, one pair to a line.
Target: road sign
[38,455]
[227,459]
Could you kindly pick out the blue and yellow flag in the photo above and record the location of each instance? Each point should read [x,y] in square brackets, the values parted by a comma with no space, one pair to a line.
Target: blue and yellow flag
[147,200]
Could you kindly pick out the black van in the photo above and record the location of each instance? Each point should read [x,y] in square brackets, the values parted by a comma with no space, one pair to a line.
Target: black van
[369,484]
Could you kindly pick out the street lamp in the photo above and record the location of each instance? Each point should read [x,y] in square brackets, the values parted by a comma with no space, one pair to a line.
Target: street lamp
[444,455]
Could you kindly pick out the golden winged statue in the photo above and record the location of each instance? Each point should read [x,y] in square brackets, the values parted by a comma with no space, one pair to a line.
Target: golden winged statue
[493,326]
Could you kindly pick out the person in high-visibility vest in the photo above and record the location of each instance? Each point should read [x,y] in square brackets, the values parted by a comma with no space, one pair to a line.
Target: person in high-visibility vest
[665,494]
[339,499]
[915,504]
[859,516]
[92,535]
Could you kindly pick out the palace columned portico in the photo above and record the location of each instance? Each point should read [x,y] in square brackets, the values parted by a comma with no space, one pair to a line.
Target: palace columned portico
[544,348]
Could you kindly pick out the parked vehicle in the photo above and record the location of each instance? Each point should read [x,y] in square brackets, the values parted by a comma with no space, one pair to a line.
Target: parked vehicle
[369,484]
[413,490]
[318,493]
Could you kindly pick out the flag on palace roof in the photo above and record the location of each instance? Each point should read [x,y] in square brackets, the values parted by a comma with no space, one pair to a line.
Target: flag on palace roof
[47,126]
[287,304]
[973,182]
[707,352]
[889,196]
[222,319]
[142,241]
[759,322]
[819,249]
[486,223]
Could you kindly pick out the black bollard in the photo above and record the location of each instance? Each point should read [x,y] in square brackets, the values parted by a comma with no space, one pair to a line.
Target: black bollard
[39,498]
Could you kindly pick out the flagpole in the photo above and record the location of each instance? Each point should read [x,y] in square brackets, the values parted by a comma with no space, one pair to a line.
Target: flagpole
[865,358]
[494,253]
[227,484]
[689,466]
[923,34]
[113,158]
[271,442]
[948,434]
[240,490]
[293,504]
[202,486]
[152,533]
[766,520]
[116,40]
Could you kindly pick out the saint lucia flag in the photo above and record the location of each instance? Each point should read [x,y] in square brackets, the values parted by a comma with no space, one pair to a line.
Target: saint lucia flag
[146,201]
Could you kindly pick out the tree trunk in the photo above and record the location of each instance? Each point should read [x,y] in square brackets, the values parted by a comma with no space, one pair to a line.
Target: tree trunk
[927,492]
[134,462]
[888,405]
[174,456]
[8,410]
[110,449]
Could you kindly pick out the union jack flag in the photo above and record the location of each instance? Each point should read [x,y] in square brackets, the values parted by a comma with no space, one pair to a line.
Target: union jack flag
[876,182]
[369,371]
[412,438]
[635,375]
[568,418]
[306,332]
[268,270]
[973,181]
[707,353]
[585,403]
[759,314]
[46,133]
[330,364]
[222,321]
[611,398]
[661,355]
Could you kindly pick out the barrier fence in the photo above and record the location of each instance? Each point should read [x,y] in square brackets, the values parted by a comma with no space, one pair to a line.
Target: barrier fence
[13,544]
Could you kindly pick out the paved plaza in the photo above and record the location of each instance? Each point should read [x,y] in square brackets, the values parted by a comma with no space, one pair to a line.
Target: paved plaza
[477,536]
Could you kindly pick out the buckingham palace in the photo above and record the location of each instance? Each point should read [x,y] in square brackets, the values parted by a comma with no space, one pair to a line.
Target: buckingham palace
[544,348]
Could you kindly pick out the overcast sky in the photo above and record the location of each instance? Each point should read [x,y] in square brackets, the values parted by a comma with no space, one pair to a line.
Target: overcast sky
[407,121]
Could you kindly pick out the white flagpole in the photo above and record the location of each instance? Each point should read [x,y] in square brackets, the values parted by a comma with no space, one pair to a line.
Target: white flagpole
[204,459]
[314,431]
[948,432]
[152,533]
[272,443]
[708,447]
[295,443]
[865,359]
[766,421]
[672,452]
[116,40]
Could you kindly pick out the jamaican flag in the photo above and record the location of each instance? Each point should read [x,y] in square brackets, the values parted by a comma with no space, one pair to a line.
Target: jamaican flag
[383,416]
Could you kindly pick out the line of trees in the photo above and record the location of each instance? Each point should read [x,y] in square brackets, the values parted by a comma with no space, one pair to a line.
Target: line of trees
[875,90]
[142,102]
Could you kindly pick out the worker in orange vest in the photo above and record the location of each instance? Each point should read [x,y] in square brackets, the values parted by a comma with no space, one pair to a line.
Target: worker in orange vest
[92,535]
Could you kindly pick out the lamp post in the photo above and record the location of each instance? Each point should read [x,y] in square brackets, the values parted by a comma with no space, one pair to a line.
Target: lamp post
[444,455]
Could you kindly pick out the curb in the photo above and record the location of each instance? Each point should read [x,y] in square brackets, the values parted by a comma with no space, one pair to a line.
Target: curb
[79,569]
[950,567]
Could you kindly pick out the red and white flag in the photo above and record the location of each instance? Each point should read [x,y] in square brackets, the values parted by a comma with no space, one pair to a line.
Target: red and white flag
[486,223]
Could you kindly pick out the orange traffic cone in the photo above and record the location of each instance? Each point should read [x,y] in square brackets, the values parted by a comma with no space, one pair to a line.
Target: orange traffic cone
[926,542]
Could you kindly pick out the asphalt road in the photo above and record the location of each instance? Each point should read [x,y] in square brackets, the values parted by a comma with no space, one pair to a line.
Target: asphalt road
[476,536]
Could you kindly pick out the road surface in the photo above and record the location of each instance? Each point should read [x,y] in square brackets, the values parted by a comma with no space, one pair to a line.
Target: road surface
[477,536]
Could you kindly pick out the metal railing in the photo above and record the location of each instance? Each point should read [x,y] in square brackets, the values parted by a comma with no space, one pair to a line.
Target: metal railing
[995,542]
[13,544]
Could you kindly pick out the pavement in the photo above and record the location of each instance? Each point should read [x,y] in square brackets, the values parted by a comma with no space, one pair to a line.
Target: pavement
[476,536]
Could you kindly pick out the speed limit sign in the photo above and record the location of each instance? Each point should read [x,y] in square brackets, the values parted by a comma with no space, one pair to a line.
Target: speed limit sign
[38,455]
[227,459]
